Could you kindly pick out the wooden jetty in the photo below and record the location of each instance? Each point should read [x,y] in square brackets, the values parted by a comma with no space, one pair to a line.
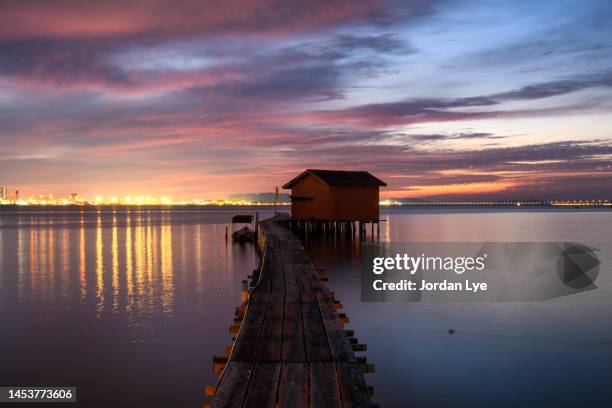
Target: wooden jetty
[291,348]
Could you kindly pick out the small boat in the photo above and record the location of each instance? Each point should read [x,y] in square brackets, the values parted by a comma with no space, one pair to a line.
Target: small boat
[244,234]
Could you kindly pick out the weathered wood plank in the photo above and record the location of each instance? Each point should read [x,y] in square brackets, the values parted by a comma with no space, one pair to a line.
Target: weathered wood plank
[233,385]
[324,389]
[264,385]
[352,385]
[293,387]
[293,330]
[246,345]
[340,347]
[317,346]
[270,341]
[294,348]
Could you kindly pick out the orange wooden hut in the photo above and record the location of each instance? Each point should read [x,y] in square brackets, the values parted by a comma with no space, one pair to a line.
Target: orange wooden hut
[333,195]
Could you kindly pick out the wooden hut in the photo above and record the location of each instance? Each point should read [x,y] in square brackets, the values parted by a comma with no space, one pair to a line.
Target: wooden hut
[333,195]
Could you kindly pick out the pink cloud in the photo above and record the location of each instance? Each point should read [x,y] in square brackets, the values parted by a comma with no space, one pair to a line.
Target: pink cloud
[64,18]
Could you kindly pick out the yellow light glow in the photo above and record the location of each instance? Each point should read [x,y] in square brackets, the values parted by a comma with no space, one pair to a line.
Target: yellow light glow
[405,198]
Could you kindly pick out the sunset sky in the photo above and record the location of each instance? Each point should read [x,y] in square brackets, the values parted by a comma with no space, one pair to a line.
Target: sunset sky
[203,99]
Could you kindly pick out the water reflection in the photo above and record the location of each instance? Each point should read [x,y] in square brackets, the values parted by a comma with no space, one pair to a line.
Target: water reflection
[65,255]
[126,265]
[124,294]
[82,260]
[50,280]
[33,252]
[99,268]
[129,272]
[166,269]
[115,261]
[20,263]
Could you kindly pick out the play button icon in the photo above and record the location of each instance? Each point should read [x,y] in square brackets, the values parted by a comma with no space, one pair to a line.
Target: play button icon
[578,266]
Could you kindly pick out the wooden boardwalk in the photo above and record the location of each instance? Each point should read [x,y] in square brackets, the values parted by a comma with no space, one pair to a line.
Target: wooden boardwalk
[291,349]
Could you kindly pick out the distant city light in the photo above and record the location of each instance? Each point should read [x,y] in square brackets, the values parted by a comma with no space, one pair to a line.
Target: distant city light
[135,200]
[12,197]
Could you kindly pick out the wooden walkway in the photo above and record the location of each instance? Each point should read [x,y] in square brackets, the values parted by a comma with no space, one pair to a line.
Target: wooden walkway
[291,349]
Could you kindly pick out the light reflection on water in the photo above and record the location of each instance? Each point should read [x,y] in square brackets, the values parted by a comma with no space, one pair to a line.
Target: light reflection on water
[133,265]
[132,302]
[129,306]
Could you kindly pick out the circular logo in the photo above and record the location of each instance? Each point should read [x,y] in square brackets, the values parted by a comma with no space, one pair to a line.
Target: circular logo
[578,266]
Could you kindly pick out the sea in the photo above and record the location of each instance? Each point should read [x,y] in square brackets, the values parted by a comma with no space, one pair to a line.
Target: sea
[130,304]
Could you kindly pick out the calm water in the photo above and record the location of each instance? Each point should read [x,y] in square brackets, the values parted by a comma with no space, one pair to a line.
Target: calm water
[130,307]
[553,353]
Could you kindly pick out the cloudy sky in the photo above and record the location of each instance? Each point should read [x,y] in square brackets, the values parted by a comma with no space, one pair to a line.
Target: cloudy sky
[478,99]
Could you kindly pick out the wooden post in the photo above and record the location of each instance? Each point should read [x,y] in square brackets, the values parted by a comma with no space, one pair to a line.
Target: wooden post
[244,293]
[256,225]
[275,198]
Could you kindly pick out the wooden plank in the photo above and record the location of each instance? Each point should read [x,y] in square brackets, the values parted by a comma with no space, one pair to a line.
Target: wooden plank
[293,329]
[340,347]
[264,284]
[352,385]
[233,385]
[312,277]
[317,347]
[293,387]
[270,342]
[324,389]
[245,348]
[264,385]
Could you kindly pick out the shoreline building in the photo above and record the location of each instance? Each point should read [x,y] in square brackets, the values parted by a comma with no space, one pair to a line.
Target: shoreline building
[9,195]
[334,195]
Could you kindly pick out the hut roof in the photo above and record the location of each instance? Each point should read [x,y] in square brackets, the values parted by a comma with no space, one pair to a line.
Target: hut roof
[340,178]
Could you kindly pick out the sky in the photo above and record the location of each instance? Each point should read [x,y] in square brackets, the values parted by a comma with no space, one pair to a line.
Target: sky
[204,99]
